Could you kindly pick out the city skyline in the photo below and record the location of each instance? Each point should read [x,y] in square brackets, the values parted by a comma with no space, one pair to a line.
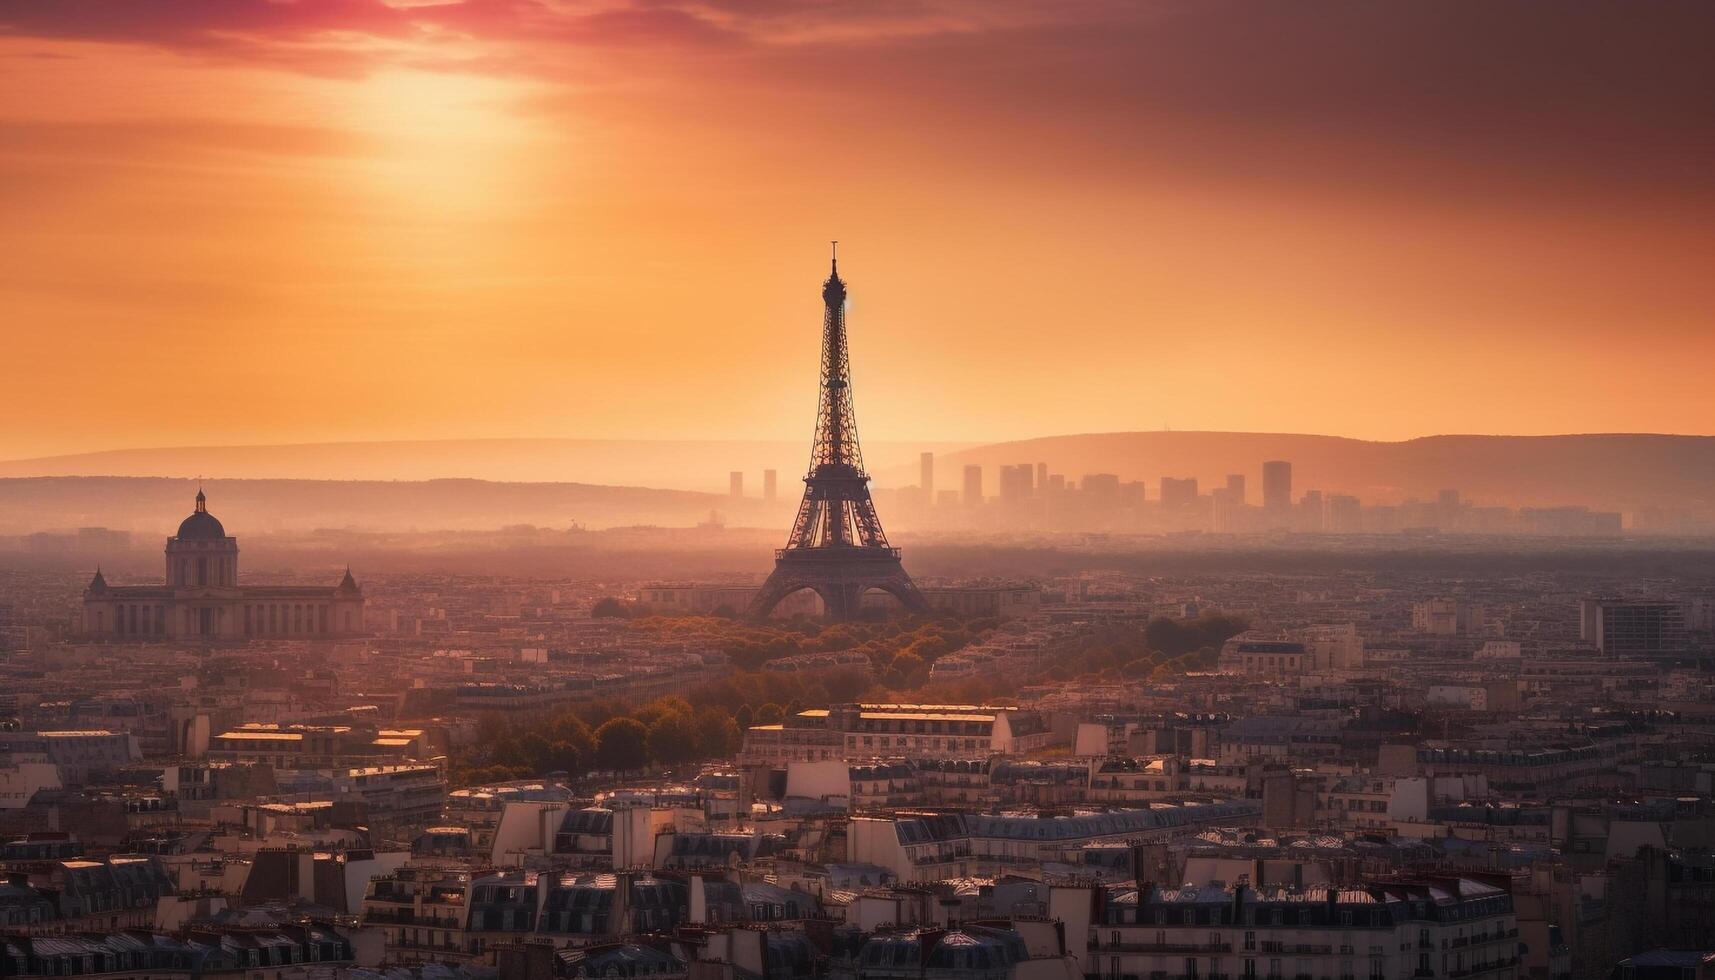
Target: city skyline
[387,220]
[575,634]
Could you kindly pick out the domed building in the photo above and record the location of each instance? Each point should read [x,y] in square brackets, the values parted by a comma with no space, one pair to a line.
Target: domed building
[202,598]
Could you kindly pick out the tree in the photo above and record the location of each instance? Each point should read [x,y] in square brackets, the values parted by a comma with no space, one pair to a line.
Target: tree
[507,752]
[537,751]
[770,714]
[622,744]
[570,730]
[743,717]
[909,669]
[608,607]
[717,734]
[672,740]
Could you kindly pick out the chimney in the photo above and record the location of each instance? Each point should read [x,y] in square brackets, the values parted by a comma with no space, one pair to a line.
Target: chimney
[699,911]
[619,913]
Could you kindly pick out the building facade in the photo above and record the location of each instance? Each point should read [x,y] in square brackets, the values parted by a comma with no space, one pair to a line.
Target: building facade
[202,599]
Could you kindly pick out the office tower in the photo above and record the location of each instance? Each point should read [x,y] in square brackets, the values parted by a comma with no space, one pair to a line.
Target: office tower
[1630,627]
[973,485]
[1310,512]
[926,466]
[1277,488]
[1015,481]
[1041,478]
[1448,617]
[1447,508]
[1345,514]
[770,484]
[1176,493]
[1102,485]
[1236,489]
[735,484]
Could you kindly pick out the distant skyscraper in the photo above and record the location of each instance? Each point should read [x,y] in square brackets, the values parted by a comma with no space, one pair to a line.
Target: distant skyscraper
[1041,478]
[1344,514]
[735,484]
[770,484]
[926,464]
[1310,512]
[1176,493]
[1236,489]
[1448,507]
[1015,481]
[973,485]
[1104,486]
[1277,488]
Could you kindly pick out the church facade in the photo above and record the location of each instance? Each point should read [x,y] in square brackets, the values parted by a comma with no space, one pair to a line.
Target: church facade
[203,600]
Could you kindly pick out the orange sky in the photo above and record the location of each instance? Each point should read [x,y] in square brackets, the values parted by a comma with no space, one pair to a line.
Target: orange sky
[243,221]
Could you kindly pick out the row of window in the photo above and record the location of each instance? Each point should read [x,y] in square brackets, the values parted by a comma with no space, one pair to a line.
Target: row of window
[289,618]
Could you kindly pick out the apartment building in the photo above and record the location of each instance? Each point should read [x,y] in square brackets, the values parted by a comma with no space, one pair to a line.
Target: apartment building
[1430,928]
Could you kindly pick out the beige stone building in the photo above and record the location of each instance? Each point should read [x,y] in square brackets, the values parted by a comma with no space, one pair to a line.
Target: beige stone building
[202,599]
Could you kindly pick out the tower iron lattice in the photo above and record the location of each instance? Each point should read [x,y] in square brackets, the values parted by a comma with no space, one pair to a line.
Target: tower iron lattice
[837,547]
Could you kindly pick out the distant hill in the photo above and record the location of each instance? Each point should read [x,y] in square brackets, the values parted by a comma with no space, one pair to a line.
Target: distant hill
[674,464]
[1615,471]
[400,485]
[152,507]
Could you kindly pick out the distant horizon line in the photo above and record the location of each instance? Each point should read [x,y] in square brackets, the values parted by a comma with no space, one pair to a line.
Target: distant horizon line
[961,444]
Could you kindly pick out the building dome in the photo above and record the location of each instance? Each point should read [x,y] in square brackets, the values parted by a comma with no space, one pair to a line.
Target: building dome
[201,525]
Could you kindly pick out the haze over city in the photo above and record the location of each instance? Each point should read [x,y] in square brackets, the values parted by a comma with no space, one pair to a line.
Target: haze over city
[818,490]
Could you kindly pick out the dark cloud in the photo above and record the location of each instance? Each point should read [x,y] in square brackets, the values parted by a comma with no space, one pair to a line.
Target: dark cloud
[1351,89]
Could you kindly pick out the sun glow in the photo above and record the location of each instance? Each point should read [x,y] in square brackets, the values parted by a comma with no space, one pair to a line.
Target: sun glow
[446,143]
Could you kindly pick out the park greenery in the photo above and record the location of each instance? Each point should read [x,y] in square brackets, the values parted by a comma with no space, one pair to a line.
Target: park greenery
[707,721]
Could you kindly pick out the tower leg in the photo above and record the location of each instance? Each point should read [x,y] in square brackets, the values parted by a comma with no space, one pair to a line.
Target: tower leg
[841,584]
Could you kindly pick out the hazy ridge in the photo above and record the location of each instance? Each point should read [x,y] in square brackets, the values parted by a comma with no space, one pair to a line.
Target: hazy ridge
[153,505]
[673,464]
[643,482]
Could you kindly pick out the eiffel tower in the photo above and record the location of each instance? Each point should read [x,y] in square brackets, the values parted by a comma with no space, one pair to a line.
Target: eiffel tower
[837,547]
